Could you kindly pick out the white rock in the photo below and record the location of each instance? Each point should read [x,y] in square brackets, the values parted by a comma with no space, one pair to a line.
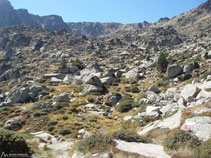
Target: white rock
[169,108]
[150,109]
[171,122]
[153,97]
[148,150]
[181,101]
[209,78]
[55,80]
[131,74]
[200,111]
[199,126]
[207,86]
[127,118]
[189,90]
[203,94]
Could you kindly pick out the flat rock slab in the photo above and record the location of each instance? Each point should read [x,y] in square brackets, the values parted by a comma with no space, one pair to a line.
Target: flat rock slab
[149,150]
[60,149]
[171,122]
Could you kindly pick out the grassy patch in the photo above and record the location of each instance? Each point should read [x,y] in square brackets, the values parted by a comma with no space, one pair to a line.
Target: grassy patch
[203,151]
[125,104]
[179,139]
[130,136]
[95,144]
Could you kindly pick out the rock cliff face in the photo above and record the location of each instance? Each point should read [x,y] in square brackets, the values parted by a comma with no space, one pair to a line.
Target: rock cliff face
[99,29]
[93,29]
[9,17]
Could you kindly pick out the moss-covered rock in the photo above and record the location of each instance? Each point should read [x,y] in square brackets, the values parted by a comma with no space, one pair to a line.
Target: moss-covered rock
[13,143]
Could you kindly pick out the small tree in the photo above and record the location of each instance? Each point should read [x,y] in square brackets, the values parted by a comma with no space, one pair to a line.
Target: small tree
[63,64]
[78,64]
[162,63]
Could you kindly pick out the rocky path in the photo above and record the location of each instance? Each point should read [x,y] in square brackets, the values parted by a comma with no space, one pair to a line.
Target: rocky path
[149,150]
[59,148]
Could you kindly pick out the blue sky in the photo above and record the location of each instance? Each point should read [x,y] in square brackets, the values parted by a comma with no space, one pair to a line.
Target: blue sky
[123,11]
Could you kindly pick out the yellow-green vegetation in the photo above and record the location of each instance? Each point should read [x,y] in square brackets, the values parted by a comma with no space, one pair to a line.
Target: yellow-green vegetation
[130,135]
[125,104]
[95,144]
[203,151]
[99,143]
[63,64]
[178,139]
[78,64]
[46,152]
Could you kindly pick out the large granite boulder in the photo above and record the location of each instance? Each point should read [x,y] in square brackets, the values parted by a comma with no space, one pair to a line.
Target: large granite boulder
[72,79]
[207,86]
[90,69]
[88,88]
[189,90]
[132,74]
[10,74]
[173,71]
[15,123]
[20,95]
[93,80]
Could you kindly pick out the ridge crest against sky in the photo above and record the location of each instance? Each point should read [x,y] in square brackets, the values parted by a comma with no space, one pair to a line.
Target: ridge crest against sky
[122,11]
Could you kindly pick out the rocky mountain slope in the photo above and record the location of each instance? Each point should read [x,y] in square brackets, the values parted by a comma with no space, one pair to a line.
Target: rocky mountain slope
[137,93]
[195,22]
[102,29]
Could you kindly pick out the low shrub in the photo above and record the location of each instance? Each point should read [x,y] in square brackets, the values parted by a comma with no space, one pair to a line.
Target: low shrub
[135,90]
[142,95]
[203,151]
[78,64]
[125,104]
[50,128]
[146,120]
[79,89]
[36,105]
[52,123]
[63,64]
[96,144]
[38,114]
[65,117]
[130,136]
[179,139]
[61,105]
[115,84]
[64,132]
